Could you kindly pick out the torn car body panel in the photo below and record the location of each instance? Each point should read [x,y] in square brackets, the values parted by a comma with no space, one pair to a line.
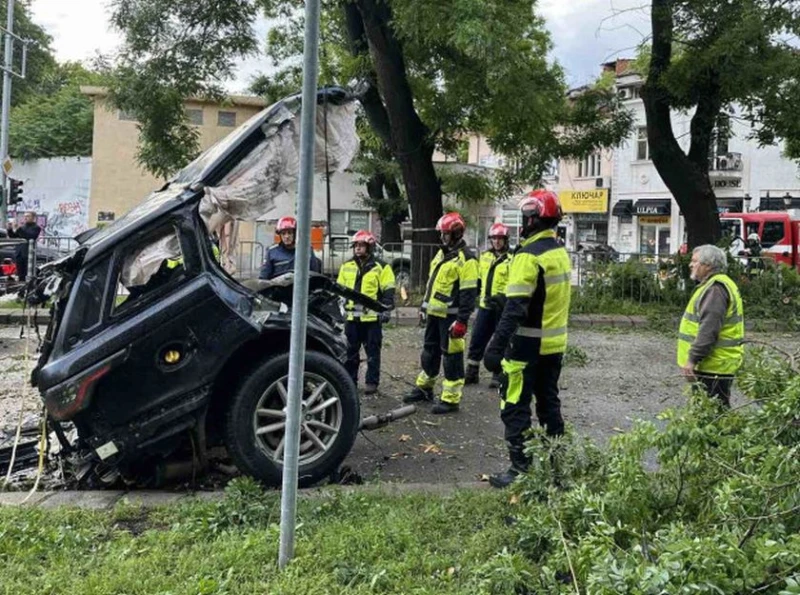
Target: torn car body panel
[149,334]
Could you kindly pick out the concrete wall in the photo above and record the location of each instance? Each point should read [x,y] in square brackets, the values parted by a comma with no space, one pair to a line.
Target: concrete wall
[57,189]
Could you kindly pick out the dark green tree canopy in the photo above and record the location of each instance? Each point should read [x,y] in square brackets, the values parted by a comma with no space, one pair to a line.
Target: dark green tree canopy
[472,66]
[719,58]
[56,120]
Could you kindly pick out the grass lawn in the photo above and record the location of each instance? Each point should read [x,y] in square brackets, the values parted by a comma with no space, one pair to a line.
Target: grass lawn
[346,543]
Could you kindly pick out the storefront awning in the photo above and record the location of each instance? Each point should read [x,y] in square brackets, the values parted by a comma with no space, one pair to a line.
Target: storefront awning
[652,207]
[623,208]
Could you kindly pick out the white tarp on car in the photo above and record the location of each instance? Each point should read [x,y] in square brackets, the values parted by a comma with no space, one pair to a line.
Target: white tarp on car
[249,190]
[270,169]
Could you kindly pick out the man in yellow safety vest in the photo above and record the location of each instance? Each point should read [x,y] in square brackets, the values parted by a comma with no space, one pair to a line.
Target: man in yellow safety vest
[366,275]
[494,266]
[448,304]
[531,337]
[712,328]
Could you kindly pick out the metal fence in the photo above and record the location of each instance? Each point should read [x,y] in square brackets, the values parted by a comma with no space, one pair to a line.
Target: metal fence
[625,274]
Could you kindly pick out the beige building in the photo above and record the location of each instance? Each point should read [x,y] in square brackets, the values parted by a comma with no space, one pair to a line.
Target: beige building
[583,188]
[118,181]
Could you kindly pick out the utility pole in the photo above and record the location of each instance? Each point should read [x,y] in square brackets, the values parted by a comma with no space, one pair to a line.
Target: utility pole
[8,70]
[9,62]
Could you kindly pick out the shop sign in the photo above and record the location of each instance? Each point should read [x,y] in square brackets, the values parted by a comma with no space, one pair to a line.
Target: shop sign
[584,201]
[728,183]
[654,219]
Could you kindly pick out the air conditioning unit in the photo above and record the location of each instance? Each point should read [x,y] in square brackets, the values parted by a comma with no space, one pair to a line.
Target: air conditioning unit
[624,93]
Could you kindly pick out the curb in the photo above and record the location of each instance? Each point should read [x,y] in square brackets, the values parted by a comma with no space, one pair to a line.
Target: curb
[107,499]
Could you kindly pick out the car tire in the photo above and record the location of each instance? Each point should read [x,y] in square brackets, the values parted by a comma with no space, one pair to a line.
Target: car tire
[330,419]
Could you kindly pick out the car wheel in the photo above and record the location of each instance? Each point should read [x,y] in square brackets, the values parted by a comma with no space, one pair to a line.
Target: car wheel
[255,425]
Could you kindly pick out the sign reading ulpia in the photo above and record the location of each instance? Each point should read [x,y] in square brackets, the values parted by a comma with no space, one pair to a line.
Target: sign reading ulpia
[584,201]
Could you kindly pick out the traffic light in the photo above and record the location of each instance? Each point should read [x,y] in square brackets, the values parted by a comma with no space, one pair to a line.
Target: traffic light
[14,191]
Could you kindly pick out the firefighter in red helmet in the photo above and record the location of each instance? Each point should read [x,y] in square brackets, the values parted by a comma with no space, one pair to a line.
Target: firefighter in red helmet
[367,275]
[280,257]
[531,337]
[494,267]
[448,303]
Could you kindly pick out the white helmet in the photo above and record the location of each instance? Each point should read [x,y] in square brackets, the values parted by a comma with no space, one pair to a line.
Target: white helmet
[753,237]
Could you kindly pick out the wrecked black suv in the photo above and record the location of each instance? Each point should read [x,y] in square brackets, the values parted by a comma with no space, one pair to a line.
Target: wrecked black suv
[155,352]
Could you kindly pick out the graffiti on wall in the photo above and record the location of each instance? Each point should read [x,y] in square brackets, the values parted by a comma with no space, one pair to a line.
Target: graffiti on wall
[57,190]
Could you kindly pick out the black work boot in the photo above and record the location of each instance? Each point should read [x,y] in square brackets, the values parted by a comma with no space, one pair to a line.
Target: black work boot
[472,374]
[419,394]
[519,464]
[495,382]
[504,479]
[443,407]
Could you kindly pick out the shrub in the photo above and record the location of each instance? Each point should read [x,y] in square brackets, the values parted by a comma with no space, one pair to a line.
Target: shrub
[707,503]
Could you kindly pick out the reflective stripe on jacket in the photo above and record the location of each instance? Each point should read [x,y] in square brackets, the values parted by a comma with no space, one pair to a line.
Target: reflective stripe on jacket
[452,284]
[538,293]
[727,353]
[494,275]
[373,279]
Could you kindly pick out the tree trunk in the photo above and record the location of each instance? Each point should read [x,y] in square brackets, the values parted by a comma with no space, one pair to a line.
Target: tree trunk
[409,139]
[390,217]
[686,176]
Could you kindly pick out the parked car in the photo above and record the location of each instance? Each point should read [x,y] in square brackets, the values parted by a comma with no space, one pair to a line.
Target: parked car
[8,251]
[155,357]
[597,252]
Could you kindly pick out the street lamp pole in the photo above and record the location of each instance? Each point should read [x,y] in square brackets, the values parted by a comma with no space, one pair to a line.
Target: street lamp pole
[297,349]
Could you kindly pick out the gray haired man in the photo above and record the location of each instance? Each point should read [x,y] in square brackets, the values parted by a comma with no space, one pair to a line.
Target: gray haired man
[712,328]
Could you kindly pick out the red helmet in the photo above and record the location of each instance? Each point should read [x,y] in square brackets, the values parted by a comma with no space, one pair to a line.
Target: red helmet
[450,222]
[363,236]
[286,224]
[498,230]
[543,204]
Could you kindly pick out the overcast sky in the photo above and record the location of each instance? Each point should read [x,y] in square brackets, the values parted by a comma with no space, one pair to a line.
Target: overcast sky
[585,32]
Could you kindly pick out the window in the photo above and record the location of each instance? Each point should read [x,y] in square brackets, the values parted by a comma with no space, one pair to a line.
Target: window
[731,228]
[773,233]
[148,268]
[722,133]
[338,222]
[513,219]
[195,116]
[551,169]
[642,148]
[126,116]
[590,167]
[85,321]
[226,119]
[347,222]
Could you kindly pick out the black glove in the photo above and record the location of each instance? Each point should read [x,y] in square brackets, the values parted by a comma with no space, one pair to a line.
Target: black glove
[385,317]
[497,302]
[493,359]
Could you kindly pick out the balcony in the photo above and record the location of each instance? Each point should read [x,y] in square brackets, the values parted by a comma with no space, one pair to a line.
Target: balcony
[725,171]
[726,162]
